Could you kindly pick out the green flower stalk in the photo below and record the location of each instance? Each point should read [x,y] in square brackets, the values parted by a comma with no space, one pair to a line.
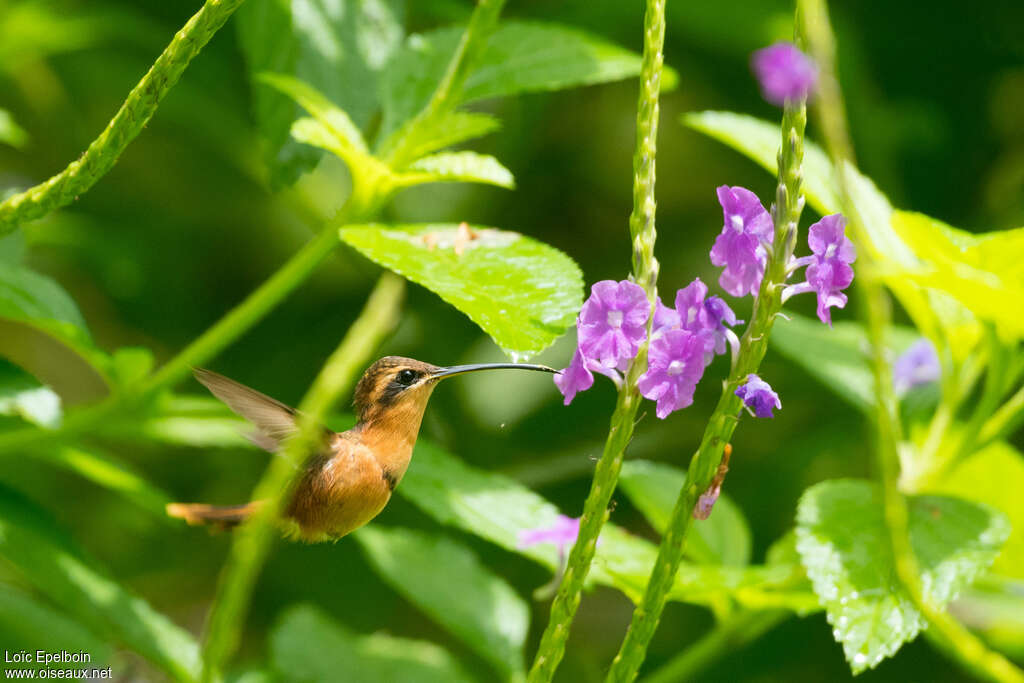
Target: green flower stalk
[645,273]
[139,107]
[950,635]
[704,465]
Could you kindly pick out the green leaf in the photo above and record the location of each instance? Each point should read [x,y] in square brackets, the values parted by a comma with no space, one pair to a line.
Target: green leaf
[447,581]
[21,395]
[46,559]
[994,476]
[520,57]
[723,538]
[844,545]
[42,331]
[450,129]
[339,48]
[34,625]
[983,272]
[10,132]
[837,356]
[498,509]
[110,474]
[307,645]
[521,292]
[464,167]
[196,421]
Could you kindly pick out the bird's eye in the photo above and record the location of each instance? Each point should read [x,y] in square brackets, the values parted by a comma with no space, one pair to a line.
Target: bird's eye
[406,377]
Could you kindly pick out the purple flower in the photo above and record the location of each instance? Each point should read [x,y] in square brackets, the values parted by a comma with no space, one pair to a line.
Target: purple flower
[828,269]
[562,533]
[575,378]
[706,502]
[719,317]
[785,73]
[918,365]
[758,396]
[665,318]
[675,363]
[741,245]
[613,322]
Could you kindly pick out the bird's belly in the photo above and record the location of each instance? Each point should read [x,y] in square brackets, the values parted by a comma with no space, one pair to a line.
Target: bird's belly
[336,497]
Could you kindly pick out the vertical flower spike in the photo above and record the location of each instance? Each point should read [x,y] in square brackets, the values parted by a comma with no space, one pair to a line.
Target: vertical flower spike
[784,73]
[918,365]
[675,363]
[613,322]
[741,245]
[758,397]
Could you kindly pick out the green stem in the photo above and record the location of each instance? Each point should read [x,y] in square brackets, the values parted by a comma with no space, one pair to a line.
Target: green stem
[1004,421]
[726,638]
[131,118]
[645,273]
[445,98]
[252,542]
[958,642]
[786,212]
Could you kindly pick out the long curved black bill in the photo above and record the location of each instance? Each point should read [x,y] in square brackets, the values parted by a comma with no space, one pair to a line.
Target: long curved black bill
[462,369]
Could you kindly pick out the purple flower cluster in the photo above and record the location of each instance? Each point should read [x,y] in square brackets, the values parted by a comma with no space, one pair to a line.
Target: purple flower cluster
[562,534]
[828,268]
[613,324]
[784,73]
[916,366]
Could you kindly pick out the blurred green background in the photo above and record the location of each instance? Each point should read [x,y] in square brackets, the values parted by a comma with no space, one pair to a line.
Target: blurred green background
[186,225]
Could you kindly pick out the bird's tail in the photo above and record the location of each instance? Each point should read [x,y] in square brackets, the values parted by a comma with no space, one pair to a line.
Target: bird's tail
[219,516]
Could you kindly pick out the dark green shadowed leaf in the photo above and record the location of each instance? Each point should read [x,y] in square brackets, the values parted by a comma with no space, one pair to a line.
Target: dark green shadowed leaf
[520,291]
[520,57]
[723,538]
[836,356]
[447,581]
[45,558]
[42,331]
[844,546]
[339,48]
[307,645]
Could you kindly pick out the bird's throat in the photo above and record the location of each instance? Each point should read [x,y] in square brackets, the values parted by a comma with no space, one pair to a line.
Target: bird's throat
[391,436]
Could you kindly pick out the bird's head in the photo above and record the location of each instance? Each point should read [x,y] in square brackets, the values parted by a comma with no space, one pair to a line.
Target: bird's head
[404,385]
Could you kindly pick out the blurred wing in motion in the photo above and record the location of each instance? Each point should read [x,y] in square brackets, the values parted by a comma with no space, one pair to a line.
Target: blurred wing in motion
[274,421]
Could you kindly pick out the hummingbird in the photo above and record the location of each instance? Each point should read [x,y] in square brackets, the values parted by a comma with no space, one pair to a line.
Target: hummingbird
[350,477]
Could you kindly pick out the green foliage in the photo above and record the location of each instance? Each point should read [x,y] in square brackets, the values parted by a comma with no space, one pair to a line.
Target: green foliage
[22,396]
[523,293]
[29,623]
[10,132]
[48,560]
[520,57]
[993,476]
[458,167]
[723,538]
[984,272]
[844,546]
[339,49]
[837,356]
[446,580]
[307,645]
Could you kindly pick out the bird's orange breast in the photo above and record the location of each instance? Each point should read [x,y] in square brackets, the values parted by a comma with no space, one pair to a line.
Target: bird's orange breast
[340,491]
